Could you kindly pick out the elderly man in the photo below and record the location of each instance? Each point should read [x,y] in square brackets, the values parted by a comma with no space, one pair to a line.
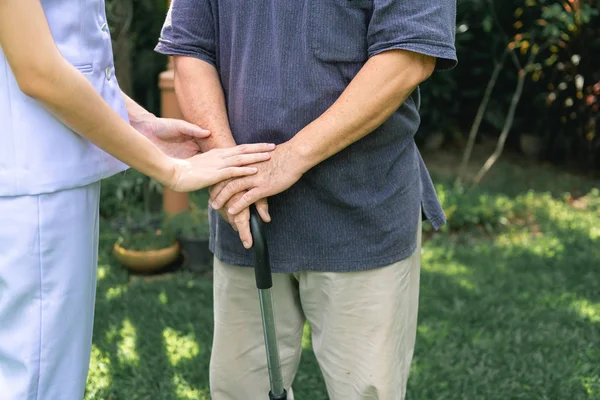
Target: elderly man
[335,84]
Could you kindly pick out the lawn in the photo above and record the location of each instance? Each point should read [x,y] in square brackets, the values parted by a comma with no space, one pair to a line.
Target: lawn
[510,303]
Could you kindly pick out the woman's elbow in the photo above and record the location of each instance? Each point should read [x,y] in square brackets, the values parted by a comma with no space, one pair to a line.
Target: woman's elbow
[35,80]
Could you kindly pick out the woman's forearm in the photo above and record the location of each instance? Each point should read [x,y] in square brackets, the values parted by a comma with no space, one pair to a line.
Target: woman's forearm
[78,106]
[135,112]
[43,74]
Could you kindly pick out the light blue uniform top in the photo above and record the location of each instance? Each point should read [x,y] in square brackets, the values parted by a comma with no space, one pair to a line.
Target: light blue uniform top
[38,153]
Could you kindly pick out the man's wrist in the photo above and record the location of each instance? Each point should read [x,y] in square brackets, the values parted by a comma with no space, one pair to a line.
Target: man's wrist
[217,140]
[303,153]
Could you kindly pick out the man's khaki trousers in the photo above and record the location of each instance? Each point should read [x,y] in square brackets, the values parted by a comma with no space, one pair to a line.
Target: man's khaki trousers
[363,330]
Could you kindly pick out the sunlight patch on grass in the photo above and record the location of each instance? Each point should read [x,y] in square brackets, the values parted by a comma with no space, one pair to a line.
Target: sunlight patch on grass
[450,269]
[510,239]
[115,292]
[424,330]
[185,391]
[162,297]
[465,284]
[587,309]
[595,232]
[306,340]
[549,248]
[102,271]
[126,352]
[99,377]
[539,244]
[434,254]
[458,272]
[591,385]
[180,347]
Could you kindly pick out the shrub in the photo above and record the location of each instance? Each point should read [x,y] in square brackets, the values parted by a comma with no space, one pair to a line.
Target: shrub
[561,99]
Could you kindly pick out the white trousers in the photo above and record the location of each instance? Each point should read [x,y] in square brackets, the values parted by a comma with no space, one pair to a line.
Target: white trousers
[363,330]
[48,259]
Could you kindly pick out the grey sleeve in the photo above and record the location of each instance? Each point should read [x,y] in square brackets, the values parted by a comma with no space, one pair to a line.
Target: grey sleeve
[422,26]
[189,30]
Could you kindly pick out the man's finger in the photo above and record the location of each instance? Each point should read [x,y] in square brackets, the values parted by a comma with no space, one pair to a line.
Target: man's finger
[250,197]
[235,172]
[231,189]
[262,206]
[242,222]
[225,216]
[216,189]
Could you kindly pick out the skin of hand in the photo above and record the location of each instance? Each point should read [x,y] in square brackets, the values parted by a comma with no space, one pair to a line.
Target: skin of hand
[214,166]
[378,90]
[277,174]
[176,138]
[240,222]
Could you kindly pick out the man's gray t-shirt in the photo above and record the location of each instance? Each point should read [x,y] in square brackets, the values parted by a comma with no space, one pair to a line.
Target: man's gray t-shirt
[282,64]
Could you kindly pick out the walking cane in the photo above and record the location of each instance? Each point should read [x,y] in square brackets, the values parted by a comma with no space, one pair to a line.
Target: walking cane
[264,282]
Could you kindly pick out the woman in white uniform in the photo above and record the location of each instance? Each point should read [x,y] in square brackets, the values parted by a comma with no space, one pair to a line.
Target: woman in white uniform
[64,126]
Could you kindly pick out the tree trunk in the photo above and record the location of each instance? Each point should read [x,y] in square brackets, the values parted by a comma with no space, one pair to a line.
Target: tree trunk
[478,118]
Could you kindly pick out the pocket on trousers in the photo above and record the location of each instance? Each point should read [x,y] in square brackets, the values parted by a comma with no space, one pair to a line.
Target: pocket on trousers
[337,29]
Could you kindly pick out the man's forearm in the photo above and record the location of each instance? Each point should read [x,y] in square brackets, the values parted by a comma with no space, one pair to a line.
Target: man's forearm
[381,86]
[202,101]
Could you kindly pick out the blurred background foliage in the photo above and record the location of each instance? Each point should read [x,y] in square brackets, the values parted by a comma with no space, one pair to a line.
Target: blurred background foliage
[135,28]
[560,100]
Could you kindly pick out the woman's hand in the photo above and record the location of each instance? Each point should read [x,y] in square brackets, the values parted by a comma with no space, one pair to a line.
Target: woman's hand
[217,165]
[175,137]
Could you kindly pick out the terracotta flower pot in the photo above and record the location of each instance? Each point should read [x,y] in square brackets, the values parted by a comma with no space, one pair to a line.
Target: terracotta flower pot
[146,261]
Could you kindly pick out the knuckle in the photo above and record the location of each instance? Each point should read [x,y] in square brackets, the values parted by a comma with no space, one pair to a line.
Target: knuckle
[246,198]
[229,186]
[235,186]
[240,222]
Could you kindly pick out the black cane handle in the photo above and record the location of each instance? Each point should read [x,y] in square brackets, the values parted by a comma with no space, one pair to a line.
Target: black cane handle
[262,268]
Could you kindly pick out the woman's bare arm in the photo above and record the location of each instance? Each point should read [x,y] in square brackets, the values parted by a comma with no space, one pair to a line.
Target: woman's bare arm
[43,74]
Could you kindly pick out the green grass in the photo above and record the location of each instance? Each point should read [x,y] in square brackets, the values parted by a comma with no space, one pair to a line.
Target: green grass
[507,311]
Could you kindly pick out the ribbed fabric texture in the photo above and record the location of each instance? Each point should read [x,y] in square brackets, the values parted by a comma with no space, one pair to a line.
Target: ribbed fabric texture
[282,64]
